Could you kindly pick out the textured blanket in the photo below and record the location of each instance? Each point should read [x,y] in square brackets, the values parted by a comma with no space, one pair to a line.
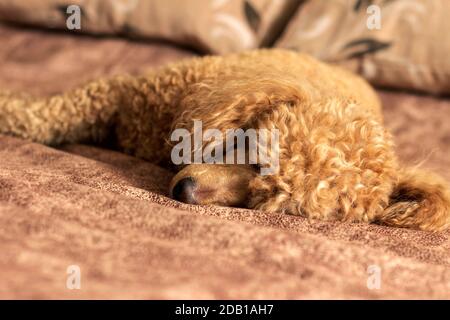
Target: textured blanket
[105,218]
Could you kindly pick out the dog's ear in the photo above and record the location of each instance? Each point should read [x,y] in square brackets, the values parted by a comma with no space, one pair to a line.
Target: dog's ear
[420,200]
[233,101]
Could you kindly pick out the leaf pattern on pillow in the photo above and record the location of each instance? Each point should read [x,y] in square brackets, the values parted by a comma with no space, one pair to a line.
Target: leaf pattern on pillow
[252,16]
[360,4]
[365,46]
[61,9]
[227,27]
[363,4]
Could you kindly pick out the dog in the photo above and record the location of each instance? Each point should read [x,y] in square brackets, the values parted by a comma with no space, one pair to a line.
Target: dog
[336,159]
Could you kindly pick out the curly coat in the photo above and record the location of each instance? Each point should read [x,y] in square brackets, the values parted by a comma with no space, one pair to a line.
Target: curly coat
[336,158]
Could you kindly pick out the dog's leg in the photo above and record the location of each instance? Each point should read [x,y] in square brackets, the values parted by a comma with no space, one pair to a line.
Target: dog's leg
[421,200]
[79,115]
[138,110]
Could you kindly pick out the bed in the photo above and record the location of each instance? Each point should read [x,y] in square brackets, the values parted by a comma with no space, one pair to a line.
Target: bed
[110,214]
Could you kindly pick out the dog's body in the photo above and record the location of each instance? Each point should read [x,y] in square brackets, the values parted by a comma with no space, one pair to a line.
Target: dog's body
[336,159]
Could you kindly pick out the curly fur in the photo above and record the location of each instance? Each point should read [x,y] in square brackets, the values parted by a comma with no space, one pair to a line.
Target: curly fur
[336,158]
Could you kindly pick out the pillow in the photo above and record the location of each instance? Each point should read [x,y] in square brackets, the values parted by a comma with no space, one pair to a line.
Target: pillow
[410,50]
[216,26]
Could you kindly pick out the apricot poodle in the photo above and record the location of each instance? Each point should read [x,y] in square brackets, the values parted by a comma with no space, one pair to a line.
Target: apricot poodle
[336,160]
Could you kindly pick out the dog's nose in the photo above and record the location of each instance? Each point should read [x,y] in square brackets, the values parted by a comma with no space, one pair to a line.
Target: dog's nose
[184,191]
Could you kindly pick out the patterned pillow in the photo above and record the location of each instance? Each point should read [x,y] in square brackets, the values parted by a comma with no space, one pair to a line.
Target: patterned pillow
[216,26]
[411,48]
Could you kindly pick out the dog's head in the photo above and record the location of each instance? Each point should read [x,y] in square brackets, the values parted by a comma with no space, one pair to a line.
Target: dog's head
[334,160]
